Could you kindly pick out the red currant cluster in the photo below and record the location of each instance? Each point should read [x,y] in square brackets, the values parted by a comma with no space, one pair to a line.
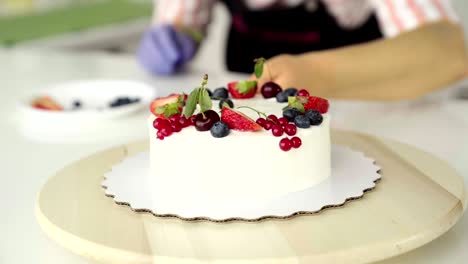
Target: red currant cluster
[278,127]
[173,124]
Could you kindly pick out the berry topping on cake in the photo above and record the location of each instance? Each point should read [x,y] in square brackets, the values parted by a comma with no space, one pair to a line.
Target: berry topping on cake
[220,129]
[261,121]
[226,103]
[270,89]
[184,122]
[273,118]
[317,103]
[283,121]
[242,89]
[204,121]
[303,93]
[220,93]
[282,97]
[290,114]
[285,144]
[238,121]
[314,116]
[302,121]
[167,106]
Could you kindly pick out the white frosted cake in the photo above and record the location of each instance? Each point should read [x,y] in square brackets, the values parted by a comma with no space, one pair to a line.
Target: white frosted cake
[190,165]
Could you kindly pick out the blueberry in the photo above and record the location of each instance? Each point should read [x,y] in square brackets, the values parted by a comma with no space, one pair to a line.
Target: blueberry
[291,113]
[314,116]
[210,93]
[302,121]
[282,97]
[77,104]
[119,101]
[219,129]
[291,91]
[227,101]
[220,93]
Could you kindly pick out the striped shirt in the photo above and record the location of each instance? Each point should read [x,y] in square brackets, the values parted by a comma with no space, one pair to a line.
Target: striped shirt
[394,16]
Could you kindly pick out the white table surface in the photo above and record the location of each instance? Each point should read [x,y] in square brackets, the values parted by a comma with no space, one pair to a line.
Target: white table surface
[438,126]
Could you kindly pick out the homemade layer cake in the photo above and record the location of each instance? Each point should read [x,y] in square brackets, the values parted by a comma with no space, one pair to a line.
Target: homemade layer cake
[253,149]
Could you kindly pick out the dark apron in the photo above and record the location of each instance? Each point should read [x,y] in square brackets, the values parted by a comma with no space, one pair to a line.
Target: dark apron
[255,34]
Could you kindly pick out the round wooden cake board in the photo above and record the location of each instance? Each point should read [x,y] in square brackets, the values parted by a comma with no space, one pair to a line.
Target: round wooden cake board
[418,199]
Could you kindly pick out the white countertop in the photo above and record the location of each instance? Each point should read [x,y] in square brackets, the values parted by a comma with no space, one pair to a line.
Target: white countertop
[437,125]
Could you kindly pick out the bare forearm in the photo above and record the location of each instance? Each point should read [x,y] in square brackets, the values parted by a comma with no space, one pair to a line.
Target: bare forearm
[404,67]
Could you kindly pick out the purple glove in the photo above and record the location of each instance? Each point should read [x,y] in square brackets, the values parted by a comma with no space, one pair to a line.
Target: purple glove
[163,50]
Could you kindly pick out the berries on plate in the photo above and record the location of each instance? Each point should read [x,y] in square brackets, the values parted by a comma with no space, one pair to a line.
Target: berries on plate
[270,89]
[120,101]
[204,121]
[314,116]
[220,129]
[226,102]
[167,106]
[220,93]
[238,121]
[242,89]
[291,113]
[302,121]
[317,103]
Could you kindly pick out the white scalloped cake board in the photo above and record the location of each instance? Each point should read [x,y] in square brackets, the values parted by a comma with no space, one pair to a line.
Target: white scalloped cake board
[352,175]
[418,199]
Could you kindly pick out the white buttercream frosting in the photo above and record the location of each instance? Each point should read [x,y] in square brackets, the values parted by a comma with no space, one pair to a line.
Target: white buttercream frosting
[244,165]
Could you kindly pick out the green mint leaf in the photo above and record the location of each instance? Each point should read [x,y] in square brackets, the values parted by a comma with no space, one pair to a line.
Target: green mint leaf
[191,103]
[171,109]
[205,101]
[160,110]
[298,106]
[291,100]
[245,87]
[258,68]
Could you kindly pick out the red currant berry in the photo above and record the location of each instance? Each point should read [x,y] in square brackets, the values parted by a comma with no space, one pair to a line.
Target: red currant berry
[268,125]
[283,121]
[261,121]
[273,118]
[184,122]
[174,118]
[160,122]
[290,129]
[166,131]
[277,130]
[303,92]
[285,144]
[176,127]
[296,142]
[159,135]
[192,119]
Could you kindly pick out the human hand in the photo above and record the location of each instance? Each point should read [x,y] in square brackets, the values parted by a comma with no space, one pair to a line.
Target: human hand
[163,50]
[298,71]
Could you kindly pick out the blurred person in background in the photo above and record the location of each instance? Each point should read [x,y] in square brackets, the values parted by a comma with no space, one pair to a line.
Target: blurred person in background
[420,45]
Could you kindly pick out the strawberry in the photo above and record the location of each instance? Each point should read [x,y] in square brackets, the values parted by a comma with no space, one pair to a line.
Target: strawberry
[46,103]
[317,103]
[165,107]
[238,121]
[242,89]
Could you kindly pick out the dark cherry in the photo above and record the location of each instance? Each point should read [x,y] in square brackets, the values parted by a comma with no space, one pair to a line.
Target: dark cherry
[204,123]
[270,89]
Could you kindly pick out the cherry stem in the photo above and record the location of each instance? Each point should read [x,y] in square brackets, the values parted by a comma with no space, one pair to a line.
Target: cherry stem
[253,109]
